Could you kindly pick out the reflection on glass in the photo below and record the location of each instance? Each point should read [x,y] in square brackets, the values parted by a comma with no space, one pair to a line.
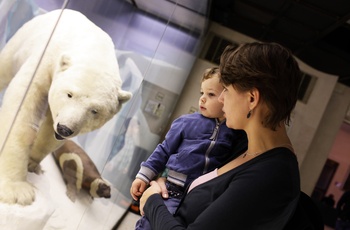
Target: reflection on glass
[156,49]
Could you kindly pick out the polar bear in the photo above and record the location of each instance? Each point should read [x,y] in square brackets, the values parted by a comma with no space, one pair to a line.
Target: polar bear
[72,88]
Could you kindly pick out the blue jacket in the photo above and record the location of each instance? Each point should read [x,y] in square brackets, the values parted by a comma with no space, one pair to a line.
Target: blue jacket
[193,146]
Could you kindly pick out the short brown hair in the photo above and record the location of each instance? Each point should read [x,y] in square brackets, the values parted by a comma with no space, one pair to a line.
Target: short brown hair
[268,67]
[210,72]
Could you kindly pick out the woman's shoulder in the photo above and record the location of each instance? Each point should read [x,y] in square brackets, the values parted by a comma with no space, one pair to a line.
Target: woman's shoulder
[276,161]
[281,153]
[279,164]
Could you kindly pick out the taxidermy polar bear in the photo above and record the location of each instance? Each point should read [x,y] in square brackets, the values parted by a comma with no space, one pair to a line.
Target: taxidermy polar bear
[75,89]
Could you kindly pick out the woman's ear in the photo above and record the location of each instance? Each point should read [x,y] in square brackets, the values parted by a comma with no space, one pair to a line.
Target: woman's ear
[254,98]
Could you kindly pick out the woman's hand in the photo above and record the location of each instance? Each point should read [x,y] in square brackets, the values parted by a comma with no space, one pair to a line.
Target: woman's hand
[153,189]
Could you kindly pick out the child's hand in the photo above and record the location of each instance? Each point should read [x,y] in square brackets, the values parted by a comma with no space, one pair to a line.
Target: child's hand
[138,186]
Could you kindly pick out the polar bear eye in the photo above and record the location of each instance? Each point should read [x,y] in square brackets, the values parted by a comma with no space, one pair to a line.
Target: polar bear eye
[94,111]
[70,95]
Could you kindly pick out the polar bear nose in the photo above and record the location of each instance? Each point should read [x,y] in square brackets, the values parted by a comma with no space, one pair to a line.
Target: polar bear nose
[64,130]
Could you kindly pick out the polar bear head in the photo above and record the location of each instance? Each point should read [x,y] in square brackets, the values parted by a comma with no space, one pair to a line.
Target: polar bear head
[83,96]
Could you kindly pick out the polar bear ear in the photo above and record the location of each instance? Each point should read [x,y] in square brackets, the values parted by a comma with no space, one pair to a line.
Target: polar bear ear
[65,62]
[124,96]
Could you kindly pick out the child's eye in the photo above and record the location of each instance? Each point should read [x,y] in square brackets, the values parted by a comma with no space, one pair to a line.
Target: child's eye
[211,95]
[201,93]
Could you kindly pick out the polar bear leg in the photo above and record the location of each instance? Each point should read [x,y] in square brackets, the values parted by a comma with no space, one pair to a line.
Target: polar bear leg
[13,163]
[6,66]
[16,138]
[13,171]
[44,144]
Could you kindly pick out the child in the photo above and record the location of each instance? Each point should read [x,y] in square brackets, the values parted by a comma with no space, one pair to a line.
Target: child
[195,144]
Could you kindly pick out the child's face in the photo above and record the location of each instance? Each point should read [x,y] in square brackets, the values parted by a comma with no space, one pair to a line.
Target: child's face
[209,105]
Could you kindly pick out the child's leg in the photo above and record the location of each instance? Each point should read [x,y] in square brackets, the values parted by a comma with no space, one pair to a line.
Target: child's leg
[175,195]
[172,204]
[143,224]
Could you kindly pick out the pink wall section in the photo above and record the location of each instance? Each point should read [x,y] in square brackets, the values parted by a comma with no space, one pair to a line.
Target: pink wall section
[340,153]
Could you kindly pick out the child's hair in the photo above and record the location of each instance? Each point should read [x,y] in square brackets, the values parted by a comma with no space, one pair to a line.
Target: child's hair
[210,72]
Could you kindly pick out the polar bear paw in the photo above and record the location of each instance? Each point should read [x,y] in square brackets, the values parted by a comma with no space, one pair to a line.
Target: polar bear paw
[17,192]
[34,167]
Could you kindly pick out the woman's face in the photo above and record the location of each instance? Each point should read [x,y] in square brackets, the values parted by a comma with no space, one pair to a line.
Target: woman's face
[235,106]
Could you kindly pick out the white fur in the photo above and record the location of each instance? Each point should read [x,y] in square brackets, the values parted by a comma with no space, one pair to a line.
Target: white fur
[77,84]
[94,187]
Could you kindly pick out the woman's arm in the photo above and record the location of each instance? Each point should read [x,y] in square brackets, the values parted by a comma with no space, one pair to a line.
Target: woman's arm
[251,198]
[156,187]
[156,208]
[159,216]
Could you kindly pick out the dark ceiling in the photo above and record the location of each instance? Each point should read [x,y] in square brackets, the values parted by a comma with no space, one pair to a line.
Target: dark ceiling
[316,31]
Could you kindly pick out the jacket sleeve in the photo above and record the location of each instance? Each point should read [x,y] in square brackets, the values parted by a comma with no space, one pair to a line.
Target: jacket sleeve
[156,162]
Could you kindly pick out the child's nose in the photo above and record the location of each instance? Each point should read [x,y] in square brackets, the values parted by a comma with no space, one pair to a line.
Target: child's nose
[221,98]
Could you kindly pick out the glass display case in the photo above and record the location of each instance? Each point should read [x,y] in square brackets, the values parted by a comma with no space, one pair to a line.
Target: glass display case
[156,43]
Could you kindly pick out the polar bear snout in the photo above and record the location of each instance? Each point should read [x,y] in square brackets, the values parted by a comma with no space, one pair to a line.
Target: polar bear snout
[63,131]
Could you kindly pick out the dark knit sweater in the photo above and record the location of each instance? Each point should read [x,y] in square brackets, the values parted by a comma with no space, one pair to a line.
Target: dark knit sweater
[258,194]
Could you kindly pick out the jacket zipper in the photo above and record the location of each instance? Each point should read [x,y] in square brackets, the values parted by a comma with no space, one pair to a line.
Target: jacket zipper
[213,139]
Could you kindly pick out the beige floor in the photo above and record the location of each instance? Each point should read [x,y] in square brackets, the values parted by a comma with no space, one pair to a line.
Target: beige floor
[129,221]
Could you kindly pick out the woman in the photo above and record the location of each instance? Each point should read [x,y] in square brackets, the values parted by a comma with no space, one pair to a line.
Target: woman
[260,188]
